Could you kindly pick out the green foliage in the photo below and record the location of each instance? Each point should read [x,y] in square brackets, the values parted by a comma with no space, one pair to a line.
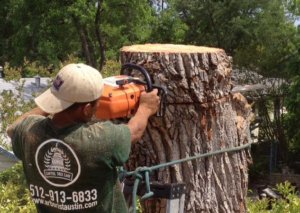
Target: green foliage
[292,118]
[293,6]
[258,34]
[274,38]
[31,69]
[14,196]
[12,73]
[39,31]
[28,69]
[11,107]
[286,189]
[111,68]
[257,206]
[290,201]
[127,22]
[139,206]
[168,28]
[69,27]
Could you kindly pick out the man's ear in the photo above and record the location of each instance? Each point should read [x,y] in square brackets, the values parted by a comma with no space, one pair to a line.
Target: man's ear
[87,110]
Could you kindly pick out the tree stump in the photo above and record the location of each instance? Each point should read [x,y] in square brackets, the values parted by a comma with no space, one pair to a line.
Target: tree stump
[201,116]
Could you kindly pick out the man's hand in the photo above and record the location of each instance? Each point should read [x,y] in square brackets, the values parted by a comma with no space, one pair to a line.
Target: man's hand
[149,104]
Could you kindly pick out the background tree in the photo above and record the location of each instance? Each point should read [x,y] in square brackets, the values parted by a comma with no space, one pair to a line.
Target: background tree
[292,121]
[38,31]
[168,26]
[93,30]
[256,33]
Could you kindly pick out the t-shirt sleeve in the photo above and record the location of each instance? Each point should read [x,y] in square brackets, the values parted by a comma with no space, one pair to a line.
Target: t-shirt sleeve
[19,132]
[121,141]
[116,143]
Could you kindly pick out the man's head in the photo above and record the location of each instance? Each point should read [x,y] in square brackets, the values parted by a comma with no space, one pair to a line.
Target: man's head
[75,84]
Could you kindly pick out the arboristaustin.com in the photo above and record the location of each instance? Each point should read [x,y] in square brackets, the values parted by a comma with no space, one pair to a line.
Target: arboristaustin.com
[64,206]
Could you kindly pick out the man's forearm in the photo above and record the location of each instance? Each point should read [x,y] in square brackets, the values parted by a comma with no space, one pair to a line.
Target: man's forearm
[34,111]
[138,124]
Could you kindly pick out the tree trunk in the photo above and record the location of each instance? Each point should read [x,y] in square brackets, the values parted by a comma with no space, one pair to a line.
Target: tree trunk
[279,130]
[87,47]
[201,116]
[99,37]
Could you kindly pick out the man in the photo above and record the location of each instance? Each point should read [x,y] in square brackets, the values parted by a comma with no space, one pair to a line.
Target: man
[70,160]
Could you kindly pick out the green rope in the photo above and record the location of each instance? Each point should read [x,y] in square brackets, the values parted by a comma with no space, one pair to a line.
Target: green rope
[137,173]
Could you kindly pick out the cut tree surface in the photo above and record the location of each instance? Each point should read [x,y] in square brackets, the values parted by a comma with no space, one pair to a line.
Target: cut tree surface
[169,48]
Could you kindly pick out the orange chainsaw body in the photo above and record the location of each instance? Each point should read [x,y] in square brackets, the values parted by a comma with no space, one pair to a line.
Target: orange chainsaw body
[118,101]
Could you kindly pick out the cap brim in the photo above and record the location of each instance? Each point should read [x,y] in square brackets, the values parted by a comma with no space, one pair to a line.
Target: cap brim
[49,103]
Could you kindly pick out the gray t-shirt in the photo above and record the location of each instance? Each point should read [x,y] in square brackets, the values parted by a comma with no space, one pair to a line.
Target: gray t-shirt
[73,168]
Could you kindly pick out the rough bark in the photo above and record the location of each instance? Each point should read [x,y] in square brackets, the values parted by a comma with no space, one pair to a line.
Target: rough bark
[201,116]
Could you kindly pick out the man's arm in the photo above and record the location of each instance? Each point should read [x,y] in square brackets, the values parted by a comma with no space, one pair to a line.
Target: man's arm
[35,111]
[149,103]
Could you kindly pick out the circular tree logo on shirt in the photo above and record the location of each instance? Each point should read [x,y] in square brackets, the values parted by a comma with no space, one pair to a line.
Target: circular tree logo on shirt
[57,163]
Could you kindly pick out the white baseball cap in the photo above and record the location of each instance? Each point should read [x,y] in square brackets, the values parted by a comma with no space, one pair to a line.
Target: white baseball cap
[74,83]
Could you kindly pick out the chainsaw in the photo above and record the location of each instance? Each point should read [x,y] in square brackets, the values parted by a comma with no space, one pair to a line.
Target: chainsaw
[121,94]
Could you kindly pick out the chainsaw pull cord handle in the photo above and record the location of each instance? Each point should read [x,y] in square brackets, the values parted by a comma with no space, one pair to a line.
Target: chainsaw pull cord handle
[142,70]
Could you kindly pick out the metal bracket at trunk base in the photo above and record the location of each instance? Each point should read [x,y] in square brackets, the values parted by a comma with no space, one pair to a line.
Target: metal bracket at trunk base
[173,194]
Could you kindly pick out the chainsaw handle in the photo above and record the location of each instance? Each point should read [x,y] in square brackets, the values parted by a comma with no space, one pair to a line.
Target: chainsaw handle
[142,70]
